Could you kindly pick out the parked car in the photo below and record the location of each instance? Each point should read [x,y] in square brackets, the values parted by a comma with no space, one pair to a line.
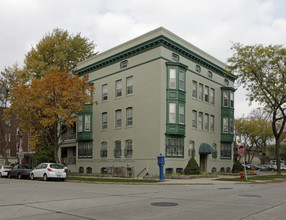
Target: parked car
[48,171]
[20,171]
[4,170]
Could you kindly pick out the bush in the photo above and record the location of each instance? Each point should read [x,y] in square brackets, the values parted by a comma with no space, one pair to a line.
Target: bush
[192,167]
[237,167]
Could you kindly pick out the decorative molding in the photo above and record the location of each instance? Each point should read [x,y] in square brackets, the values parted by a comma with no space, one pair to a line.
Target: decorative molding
[149,45]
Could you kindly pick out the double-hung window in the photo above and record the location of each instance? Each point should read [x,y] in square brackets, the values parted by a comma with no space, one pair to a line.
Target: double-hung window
[181,114]
[129,116]
[194,119]
[225,99]
[118,88]
[117,149]
[172,79]
[118,118]
[231,99]
[225,125]
[104,120]
[104,92]
[206,94]
[103,151]
[129,85]
[201,92]
[172,113]
[128,151]
[206,122]
[195,89]
[212,123]
[85,149]
[87,123]
[182,80]
[80,123]
[212,96]
[200,121]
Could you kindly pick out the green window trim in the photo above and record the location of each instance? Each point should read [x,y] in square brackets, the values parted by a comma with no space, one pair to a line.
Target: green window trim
[174,146]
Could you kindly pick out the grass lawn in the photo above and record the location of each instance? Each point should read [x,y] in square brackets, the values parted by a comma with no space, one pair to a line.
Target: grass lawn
[109,180]
[254,178]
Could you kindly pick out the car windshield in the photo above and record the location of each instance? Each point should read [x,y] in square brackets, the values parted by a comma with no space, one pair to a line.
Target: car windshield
[57,166]
[7,167]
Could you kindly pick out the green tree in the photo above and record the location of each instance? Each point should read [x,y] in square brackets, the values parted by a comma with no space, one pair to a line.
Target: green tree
[237,167]
[262,72]
[192,167]
[57,51]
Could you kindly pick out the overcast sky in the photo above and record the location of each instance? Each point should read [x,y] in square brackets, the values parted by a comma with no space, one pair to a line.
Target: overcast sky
[211,25]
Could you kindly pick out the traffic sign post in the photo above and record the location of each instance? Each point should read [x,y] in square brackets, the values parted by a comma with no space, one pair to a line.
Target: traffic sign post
[241,153]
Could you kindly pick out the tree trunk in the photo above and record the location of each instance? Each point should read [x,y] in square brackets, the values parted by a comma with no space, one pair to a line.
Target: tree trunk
[278,156]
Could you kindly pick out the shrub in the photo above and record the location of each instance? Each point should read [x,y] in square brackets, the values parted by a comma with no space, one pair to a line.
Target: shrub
[192,167]
[237,167]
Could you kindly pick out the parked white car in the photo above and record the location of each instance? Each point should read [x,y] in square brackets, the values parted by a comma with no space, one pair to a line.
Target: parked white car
[48,171]
[4,170]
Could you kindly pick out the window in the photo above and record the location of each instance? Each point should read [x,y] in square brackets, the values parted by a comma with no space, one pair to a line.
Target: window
[206,94]
[198,68]
[88,170]
[212,123]
[194,91]
[129,85]
[85,149]
[191,150]
[181,114]
[200,121]
[118,88]
[103,151]
[212,96]
[175,147]
[118,118]
[231,99]
[210,74]
[129,116]
[124,64]
[79,123]
[175,57]
[194,119]
[226,82]
[117,149]
[104,92]
[206,122]
[225,99]
[182,80]
[172,79]
[172,112]
[104,120]
[87,122]
[225,151]
[214,154]
[231,125]
[128,149]
[225,125]
[201,92]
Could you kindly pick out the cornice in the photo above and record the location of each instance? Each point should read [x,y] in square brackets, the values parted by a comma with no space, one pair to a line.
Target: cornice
[149,45]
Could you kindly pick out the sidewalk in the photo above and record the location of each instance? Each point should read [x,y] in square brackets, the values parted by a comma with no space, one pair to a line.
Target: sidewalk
[199,181]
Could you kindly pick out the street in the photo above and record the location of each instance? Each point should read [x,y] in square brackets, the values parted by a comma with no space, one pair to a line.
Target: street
[26,199]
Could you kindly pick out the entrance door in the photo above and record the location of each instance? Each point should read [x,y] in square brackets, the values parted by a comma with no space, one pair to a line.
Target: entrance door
[203,162]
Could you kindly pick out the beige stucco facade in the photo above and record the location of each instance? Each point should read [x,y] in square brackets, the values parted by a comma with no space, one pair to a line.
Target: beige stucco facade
[149,59]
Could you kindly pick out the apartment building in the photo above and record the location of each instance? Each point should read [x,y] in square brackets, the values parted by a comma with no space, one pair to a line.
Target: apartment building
[155,94]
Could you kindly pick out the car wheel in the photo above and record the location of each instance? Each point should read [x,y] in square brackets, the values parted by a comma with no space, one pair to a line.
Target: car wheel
[62,179]
[19,176]
[45,177]
[0,175]
[32,177]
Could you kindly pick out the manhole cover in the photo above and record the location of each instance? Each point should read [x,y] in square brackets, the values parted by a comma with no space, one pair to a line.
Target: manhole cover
[164,204]
[225,188]
[253,196]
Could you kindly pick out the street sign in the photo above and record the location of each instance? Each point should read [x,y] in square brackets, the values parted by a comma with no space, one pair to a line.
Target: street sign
[241,150]
[21,155]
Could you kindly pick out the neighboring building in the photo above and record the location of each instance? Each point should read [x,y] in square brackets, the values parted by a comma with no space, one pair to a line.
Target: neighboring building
[9,134]
[156,94]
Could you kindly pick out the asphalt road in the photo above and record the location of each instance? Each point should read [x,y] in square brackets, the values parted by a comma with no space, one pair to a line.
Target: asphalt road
[29,200]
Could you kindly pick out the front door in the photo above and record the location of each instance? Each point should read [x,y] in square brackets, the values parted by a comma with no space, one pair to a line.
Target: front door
[203,162]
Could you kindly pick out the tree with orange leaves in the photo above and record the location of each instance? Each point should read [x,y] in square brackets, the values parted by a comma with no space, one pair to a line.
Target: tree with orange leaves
[49,105]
